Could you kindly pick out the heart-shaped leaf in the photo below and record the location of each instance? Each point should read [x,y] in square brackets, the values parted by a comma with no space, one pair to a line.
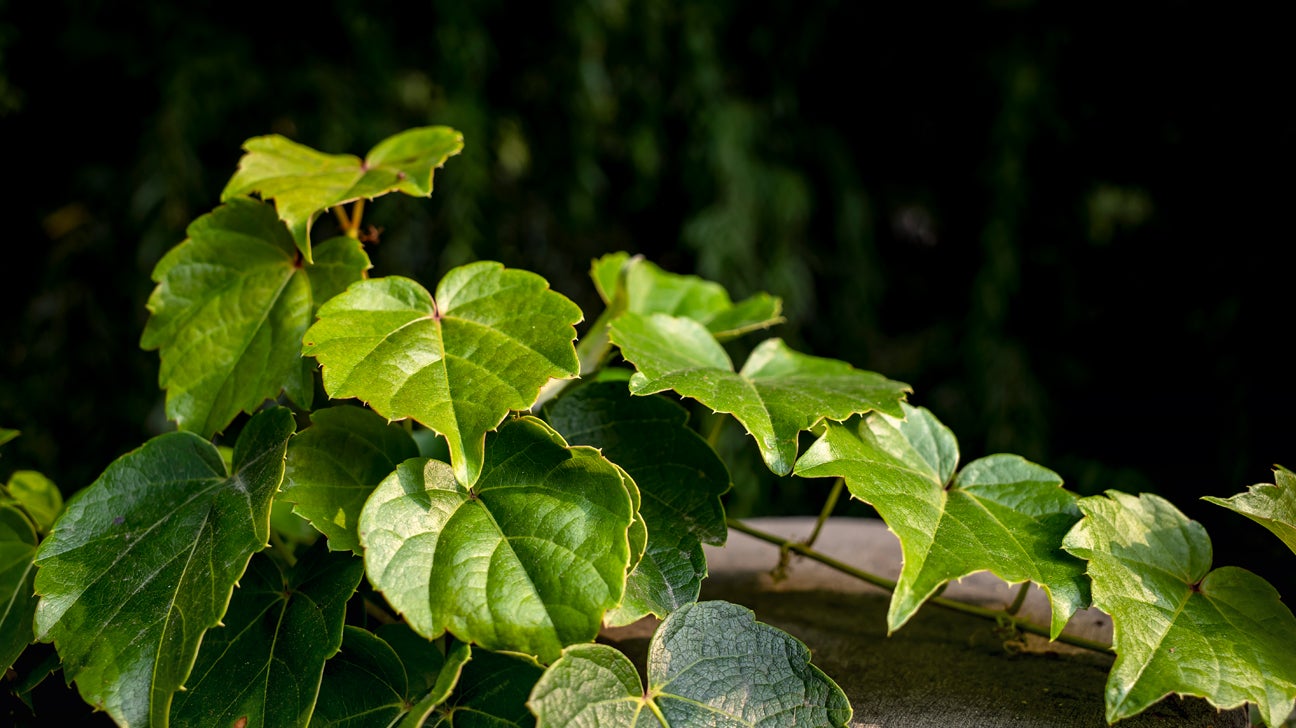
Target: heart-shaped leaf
[37,495]
[777,394]
[238,267]
[144,560]
[263,666]
[1001,513]
[305,182]
[457,364]
[679,477]
[17,599]
[709,663]
[334,465]
[1271,505]
[1179,627]
[527,560]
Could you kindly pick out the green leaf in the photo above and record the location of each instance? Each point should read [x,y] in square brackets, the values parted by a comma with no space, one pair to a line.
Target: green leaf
[457,364]
[648,290]
[391,678]
[7,434]
[38,495]
[229,311]
[1271,505]
[709,663]
[1179,627]
[527,560]
[17,600]
[679,477]
[777,394]
[144,560]
[1001,513]
[264,665]
[334,465]
[305,182]
[492,693]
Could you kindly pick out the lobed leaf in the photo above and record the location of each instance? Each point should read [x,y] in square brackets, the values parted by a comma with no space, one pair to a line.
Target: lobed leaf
[1179,627]
[334,465]
[679,477]
[263,666]
[1271,505]
[144,561]
[709,663]
[1001,513]
[777,394]
[304,182]
[17,572]
[457,364]
[527,560]
[229,311]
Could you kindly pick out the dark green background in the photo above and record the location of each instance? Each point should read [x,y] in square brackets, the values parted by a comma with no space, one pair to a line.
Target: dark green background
[1064,227]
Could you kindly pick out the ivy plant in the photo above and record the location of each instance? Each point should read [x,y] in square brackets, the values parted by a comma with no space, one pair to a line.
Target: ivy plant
[390,504]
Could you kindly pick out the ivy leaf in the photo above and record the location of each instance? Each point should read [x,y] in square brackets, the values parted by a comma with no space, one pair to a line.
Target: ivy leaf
[1001,513]
[391,678]
[1179,627]
[648,290]
[305,182]
[492,692]
[144,560]
[238,268]
[17,600]
[680,479]
[334,465]
[777,394]
[1271,505]
[709,663]
[457,364]
[263,666]
[38,495]
[527,560]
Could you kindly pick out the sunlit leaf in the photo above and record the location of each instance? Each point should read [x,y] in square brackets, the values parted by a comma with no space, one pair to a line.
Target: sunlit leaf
[305,182]
[527,560]
[777,394]
[264,665]
[457,364]
[144,560]
[229,311]
[1271,505]
[680,479]
[1000,513]
[709,664]
[38,496]
[334,465]
[17,600]
[1178,626]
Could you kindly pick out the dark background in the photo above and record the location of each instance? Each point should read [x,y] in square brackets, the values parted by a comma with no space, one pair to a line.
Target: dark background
[1063,227]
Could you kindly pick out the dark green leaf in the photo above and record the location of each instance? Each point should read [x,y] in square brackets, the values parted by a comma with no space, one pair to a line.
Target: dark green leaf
[458,364]
[38,495]
[1271,505]
[229,311]
[144,560]
[1179,627]
[17,600]
[305,182]
[777,394]
[7,434]
[680,479]
[264,665]
[492,693]
[334,465]
[527,560]
[709,664]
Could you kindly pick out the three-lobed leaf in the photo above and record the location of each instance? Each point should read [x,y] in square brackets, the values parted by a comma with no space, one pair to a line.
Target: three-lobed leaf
[17,572]
[777,394]
[526,560]
[1000,513]
[229,311]
[304,182]
[1272,505]
[144,560]
[1178,626]
[709,663]
[458,363]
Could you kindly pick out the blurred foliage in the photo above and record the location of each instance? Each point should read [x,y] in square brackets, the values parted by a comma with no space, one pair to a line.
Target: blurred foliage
[1054,225]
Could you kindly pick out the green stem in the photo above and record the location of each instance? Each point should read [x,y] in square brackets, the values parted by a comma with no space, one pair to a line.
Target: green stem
[829,505]
[1020,599]
[973,609]
[713,432]
[352,230]
[285,552]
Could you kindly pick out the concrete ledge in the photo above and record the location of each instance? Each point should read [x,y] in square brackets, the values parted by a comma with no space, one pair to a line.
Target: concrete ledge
[943,668]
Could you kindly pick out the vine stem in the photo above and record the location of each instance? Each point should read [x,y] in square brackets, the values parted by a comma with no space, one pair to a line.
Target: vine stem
[997,615]
[350,223]
[785,555]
